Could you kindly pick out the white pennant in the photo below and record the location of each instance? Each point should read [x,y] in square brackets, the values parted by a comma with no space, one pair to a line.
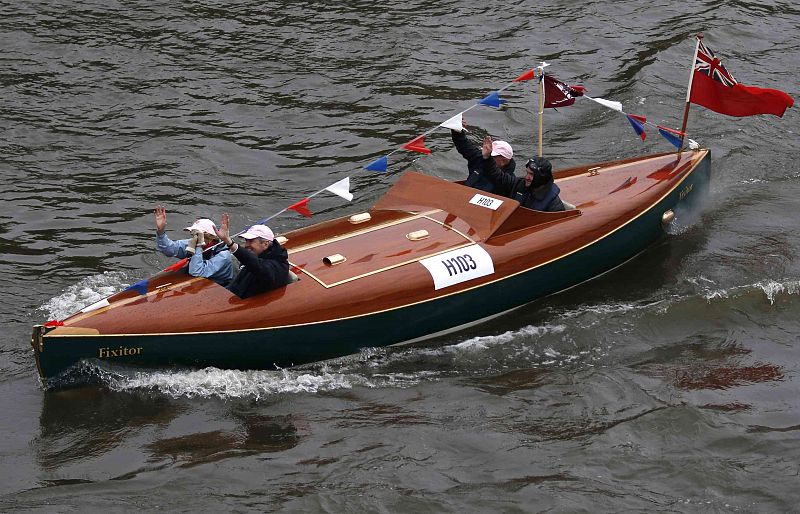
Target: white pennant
[454,123]
[96,305]
[341,188]
[611,104]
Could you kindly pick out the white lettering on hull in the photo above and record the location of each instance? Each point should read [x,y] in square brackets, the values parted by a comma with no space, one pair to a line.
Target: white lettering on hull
[456,266]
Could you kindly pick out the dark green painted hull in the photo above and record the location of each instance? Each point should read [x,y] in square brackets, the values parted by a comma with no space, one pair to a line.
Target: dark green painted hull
[284,347]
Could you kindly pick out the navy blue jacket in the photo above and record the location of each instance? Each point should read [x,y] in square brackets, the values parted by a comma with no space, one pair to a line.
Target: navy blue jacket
[542,198]
[267,271]
[475,165]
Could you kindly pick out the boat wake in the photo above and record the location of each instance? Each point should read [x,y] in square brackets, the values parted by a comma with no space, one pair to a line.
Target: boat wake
[229,384]
[86,292]
[213,382]
[371,368]
[772,289]
[570,338]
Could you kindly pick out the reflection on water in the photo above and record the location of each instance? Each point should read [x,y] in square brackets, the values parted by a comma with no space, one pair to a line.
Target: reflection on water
[89,422]
[254,435]
[708,365]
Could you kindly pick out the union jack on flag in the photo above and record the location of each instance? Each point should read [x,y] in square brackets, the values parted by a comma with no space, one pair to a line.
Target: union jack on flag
[708,64]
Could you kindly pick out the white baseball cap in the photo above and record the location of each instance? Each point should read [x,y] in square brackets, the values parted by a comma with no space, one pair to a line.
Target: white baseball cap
[203,225]
[502,149]
[255,231]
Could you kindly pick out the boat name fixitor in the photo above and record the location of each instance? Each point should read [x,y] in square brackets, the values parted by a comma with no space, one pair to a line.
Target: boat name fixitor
[122,351]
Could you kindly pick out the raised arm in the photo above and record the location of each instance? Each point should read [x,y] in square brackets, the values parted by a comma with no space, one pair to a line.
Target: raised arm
[503,180]
[465,147]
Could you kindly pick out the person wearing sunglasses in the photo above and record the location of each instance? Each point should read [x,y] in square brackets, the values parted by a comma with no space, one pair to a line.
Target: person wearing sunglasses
[536,190]
[265,264]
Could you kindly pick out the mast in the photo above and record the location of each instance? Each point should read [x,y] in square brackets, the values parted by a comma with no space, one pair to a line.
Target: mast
[541,104]
[699,37]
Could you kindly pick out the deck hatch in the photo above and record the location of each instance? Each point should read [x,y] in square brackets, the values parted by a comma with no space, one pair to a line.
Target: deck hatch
[378,251]
[362,217]
[333,260]
[418,235]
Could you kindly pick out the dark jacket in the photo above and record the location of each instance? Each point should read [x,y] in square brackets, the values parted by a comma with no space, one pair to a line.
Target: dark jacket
[269,270]
[541,198]
[477,172]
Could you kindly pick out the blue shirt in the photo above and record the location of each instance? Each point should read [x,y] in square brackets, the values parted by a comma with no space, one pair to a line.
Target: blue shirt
[218,268]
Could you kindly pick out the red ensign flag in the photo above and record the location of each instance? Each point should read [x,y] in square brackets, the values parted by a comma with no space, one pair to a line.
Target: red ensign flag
[714,88]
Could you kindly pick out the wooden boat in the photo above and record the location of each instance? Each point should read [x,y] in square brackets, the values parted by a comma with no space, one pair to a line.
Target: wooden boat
[430,256]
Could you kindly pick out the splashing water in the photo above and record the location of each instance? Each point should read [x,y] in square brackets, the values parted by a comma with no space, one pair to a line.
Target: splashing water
[771,288]
[86,292]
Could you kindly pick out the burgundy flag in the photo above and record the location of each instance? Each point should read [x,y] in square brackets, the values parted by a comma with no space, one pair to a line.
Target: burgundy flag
[558,94]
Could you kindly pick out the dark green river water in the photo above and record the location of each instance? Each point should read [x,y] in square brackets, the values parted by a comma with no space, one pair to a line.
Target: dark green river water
[668,385]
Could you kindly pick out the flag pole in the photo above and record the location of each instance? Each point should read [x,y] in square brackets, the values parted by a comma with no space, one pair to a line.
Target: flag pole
[541,105]
[699,37]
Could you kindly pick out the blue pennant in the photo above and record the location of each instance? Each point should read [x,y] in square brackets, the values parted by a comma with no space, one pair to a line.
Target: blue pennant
[638,126]
[378,164]
[140,287]
[675,140]
[492,100]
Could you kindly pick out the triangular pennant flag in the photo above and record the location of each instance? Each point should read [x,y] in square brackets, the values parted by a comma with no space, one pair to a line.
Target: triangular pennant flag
[671,135]
[54,323]
[178,265]
[611,104]
[96,305]
[559,94]
[417,145]
[528,75]
[341,188]
[301,207]
[140,287]
[492,100]
[637,122]
[455,123]
[378,164]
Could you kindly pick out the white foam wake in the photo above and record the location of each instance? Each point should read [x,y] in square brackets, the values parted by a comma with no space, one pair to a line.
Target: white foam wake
[771,289]
[86,292]
[484,342]
[255,384]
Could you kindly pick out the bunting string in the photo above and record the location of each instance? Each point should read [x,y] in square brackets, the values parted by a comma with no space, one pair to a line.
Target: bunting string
[638,123]
[557,94]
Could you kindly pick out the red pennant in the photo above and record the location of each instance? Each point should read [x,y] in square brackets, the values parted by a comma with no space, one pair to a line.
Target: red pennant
[528,75]
[643,119]
[178,265]
[577,90]
[672,131]
[417,145]
[54,323]
[301,207]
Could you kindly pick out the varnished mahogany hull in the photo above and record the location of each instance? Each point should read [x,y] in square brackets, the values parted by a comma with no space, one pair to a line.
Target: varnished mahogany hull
[332,332]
